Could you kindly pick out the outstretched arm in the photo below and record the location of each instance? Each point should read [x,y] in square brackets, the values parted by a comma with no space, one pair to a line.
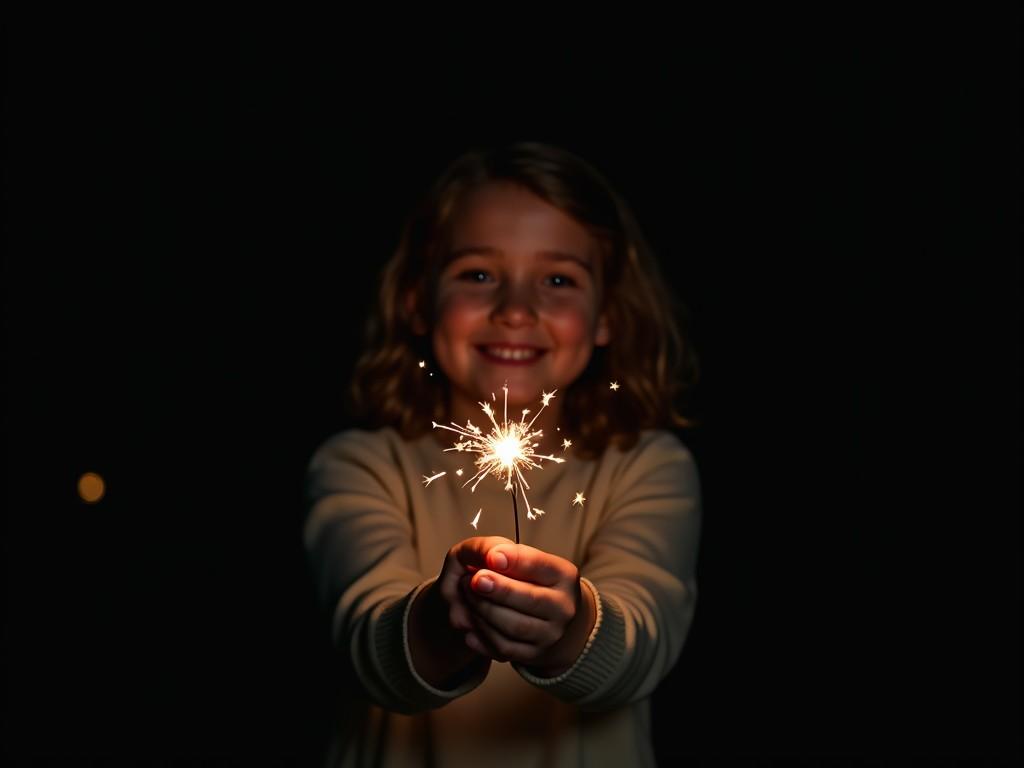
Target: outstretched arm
[359,539]
[640,562]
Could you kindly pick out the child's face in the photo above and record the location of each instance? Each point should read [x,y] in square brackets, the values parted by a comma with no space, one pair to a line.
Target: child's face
[518,301]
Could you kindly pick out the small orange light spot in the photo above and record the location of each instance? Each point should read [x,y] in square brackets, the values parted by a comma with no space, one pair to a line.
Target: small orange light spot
[91,487]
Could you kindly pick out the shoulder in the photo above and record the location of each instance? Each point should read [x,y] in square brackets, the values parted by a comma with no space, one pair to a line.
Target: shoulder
[356,456]
[354,444]
[654,447]
[658,457]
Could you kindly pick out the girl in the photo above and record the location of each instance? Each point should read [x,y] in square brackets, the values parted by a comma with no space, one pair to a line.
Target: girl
[522,270]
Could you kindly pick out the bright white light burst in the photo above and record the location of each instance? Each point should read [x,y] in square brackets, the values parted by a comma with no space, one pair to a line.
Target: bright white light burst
[506,450]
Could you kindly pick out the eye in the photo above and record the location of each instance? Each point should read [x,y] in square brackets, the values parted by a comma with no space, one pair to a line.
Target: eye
[474,276]
[560,281]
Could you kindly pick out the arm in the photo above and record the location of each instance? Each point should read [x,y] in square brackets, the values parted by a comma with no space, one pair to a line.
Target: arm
[642,559]
[359,539]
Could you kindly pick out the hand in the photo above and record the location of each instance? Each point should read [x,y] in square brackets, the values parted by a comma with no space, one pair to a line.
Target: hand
[462,561]
[528,606]
[440,616]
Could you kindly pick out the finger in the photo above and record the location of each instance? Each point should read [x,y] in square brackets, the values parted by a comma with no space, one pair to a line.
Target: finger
[460,616]
[505,648]
[533,600]
[465,557]
[477,644]
[514,625]
[472,552]
[529,564]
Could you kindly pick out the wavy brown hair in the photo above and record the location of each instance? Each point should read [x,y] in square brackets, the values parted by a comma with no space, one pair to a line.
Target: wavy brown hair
[649,354]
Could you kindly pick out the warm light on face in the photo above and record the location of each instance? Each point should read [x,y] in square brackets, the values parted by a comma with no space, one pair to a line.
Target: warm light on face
[91,487]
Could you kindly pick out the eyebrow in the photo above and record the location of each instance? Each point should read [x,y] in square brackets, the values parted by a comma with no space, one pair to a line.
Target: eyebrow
[485,250]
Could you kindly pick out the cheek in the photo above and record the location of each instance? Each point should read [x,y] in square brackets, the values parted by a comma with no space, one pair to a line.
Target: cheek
[573,323]
[457,315]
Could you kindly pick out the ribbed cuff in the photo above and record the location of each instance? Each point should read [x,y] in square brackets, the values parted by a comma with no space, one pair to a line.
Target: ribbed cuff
[391,645]
[596,663]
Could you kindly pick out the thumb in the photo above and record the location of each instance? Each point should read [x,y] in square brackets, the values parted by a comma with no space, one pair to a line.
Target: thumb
[526,563]
[471,553]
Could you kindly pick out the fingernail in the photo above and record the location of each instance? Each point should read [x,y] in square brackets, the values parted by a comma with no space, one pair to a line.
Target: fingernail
[500,561]
[484,584]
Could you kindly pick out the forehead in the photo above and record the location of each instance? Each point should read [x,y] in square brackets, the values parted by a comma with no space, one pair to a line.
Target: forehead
[510,218]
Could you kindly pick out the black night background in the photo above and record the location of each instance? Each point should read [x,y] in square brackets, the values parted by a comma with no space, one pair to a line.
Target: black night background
[194,222]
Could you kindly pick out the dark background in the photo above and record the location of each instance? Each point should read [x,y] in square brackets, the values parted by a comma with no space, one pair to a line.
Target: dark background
[195,215]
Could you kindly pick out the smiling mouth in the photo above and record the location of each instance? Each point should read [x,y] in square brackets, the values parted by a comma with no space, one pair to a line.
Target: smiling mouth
[510,355]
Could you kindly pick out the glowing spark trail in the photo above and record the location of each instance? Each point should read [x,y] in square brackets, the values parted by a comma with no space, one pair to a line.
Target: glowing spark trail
[505,451]
[432,478]
[477,518]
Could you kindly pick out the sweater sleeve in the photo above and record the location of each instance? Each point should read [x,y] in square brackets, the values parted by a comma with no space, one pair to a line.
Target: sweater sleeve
[359,540]
[641,567]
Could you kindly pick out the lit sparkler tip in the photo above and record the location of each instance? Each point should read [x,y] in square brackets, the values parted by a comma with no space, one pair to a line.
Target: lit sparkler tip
[505,451]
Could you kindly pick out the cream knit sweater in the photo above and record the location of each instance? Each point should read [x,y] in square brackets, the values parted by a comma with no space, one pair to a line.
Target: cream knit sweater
[376,535]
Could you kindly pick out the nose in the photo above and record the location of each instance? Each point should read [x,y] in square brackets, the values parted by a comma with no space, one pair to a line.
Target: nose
[515,306]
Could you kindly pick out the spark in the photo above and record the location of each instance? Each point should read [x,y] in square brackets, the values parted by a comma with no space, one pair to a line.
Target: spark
[423,363]
[613,386]
[459,471]
[477,518]
[579,498]
[432,478]
[505,451]
[566,444]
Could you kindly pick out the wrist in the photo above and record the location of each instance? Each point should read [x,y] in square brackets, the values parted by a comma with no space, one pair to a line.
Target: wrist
[563,654]
[438,652]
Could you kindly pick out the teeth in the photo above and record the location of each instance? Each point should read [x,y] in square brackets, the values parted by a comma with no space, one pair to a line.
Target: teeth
[506,353]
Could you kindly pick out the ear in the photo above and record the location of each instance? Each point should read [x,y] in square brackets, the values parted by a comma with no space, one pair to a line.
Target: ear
[416,321]
[602,334]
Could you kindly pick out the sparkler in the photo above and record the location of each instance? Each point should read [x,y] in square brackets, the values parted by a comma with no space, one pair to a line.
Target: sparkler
[505,451]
